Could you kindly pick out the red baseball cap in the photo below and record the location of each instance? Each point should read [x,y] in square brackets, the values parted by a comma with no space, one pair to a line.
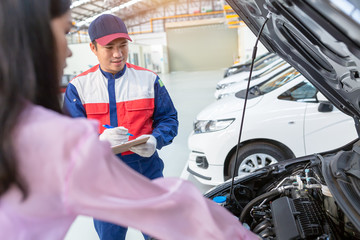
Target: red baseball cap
[106,28]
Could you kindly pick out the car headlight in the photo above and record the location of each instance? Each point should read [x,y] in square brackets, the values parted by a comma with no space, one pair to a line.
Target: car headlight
[202,126]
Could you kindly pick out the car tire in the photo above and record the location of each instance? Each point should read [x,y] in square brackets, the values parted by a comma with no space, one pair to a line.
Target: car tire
[254,156]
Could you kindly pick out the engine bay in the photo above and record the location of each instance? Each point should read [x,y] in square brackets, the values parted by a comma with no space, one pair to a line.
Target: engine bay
[288,204]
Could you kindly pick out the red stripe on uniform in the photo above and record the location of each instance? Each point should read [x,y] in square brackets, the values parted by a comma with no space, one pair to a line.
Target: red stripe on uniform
[129,65]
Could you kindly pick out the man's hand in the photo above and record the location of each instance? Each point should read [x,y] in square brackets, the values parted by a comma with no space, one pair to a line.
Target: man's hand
[115,136]
[146,149]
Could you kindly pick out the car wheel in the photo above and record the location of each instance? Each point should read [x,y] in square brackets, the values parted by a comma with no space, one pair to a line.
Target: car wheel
[254,156]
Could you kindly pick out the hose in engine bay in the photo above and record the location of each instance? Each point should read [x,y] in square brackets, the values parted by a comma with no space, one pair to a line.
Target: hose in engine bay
[272,193]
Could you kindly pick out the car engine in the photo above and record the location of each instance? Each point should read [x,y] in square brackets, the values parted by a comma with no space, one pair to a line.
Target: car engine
[296,205]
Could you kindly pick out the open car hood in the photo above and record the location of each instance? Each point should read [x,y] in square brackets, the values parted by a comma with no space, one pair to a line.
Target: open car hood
[319,38]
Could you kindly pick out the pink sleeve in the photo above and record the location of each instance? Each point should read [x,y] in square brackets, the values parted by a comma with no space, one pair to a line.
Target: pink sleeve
[98,184]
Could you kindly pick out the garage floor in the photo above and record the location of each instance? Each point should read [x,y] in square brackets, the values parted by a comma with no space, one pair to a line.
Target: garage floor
[190,92]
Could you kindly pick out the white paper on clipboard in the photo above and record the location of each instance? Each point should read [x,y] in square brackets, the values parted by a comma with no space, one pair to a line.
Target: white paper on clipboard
[125,146]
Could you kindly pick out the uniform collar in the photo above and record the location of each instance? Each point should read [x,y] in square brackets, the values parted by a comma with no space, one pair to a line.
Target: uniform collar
[110,75]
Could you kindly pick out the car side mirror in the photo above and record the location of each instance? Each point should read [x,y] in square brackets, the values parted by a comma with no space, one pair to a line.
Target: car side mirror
[325,105]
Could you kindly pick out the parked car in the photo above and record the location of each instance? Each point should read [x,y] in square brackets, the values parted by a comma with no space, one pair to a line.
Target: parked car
[285,117]
[239,67]
[241,83]
[66,78]
[242,76]
[316,196]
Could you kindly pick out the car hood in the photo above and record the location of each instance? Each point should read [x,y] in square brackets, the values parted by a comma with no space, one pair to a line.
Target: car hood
[229,107]
[234,78]
[319,38]
[240,85]
[244,75]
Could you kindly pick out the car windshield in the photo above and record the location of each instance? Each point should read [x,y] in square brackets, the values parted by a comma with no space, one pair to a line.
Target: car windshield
[270,85]
[271,70]
[278,81]
[265,62]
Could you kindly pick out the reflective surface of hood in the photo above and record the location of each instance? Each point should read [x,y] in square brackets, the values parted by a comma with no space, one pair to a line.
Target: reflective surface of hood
[319,38]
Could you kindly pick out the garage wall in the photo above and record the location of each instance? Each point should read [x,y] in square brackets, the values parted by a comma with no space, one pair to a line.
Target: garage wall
[81,60]
[152,57]
[201,47]
[246,43]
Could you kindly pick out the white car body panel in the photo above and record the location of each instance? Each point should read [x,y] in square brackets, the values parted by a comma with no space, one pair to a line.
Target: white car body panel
[297,125]
[317,127]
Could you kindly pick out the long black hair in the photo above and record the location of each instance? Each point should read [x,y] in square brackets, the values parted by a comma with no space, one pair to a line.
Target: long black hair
[28,71]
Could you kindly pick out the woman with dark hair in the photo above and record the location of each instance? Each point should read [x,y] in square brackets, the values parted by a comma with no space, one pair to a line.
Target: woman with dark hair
[53,168]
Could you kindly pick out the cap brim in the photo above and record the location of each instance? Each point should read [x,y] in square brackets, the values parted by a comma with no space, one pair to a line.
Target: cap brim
[108,38]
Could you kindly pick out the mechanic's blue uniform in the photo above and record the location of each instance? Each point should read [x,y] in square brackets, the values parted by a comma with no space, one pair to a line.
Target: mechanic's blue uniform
[134,98]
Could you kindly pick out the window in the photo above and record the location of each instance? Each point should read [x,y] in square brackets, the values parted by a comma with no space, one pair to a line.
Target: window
[270,85]
[303,92]
[271,69]
[278,81]
[265,62]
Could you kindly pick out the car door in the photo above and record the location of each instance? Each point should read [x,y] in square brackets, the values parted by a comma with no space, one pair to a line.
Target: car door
[279,117]
[325,127]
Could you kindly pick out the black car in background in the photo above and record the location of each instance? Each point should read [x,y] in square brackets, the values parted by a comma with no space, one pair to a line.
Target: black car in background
[316,196]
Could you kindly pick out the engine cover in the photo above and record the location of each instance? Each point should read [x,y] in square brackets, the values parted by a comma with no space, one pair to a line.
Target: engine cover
[298,218]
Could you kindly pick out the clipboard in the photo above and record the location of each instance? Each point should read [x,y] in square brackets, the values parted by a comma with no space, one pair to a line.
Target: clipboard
[125,146]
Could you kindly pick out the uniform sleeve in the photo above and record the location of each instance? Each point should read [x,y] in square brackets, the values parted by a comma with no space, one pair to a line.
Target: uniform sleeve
[165,116]
[72,103]
[101,186]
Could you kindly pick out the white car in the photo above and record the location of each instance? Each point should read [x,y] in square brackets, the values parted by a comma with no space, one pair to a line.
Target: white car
[239,67]
[260,67]
[286,117]
[276,68]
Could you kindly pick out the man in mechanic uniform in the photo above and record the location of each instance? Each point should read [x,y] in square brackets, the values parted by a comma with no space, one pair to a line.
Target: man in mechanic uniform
[127,99]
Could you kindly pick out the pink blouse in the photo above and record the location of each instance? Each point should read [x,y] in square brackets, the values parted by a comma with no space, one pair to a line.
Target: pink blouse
[69,172]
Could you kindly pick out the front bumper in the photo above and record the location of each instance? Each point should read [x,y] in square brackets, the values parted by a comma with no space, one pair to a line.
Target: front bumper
[212,175]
